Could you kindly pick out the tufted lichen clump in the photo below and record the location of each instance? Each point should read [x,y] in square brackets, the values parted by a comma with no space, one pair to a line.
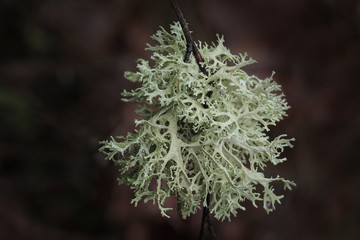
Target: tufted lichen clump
[200,134]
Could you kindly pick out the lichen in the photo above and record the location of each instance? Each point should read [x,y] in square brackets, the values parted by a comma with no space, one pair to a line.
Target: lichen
[200,134]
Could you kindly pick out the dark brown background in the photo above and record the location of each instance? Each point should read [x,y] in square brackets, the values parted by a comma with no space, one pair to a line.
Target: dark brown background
[61,75]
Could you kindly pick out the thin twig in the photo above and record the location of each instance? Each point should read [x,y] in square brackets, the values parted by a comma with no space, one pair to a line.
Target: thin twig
[186,30]
[190,46]
[211,229]
[207,220]
[204,218]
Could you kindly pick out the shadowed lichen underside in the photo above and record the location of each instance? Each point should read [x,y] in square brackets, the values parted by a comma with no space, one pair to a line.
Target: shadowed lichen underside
[200,134]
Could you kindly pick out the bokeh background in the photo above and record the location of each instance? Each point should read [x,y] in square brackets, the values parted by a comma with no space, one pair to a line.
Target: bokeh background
[61,75]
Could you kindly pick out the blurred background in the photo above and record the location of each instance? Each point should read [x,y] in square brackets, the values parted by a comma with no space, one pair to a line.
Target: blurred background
[61,76]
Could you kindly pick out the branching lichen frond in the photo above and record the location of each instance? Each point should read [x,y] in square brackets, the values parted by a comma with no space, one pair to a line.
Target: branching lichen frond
[204,134]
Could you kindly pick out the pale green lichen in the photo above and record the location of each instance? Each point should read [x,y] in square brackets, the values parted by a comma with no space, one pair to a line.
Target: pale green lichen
[200,134]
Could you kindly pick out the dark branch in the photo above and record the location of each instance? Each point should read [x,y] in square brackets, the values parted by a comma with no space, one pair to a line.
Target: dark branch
[206,220]
[211,229]
[204,217]
[190,46]
[186,30]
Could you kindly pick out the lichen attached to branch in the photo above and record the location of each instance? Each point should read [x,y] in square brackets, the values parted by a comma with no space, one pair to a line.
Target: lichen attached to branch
[200,134]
